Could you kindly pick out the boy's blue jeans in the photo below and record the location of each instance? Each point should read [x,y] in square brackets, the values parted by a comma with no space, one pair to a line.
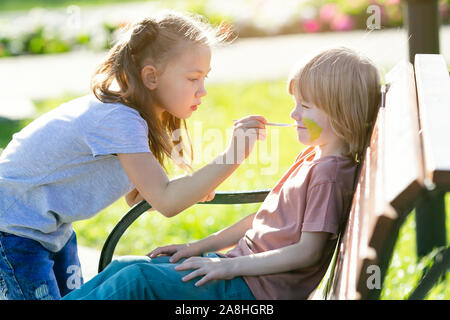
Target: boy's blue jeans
[139,278]
[28,271]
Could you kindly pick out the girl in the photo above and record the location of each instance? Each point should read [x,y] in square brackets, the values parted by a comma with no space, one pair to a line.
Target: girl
[282,251]
[81,157]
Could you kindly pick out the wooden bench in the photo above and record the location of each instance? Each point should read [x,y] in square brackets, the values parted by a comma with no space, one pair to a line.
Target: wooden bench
[406,159]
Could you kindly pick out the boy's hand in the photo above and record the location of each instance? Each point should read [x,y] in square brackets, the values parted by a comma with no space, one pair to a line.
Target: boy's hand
[246,132]
[209,268]
[177,251]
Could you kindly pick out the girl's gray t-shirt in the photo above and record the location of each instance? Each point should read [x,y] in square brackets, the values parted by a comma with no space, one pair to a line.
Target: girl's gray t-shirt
[63,167]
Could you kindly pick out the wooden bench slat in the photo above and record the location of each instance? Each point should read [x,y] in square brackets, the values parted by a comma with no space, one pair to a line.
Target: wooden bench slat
[433,93]
[380,216]
[348,266]
[403,163]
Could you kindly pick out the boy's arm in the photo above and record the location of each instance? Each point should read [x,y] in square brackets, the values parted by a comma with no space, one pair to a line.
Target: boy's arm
[305,253]
[226,237]
[216,242]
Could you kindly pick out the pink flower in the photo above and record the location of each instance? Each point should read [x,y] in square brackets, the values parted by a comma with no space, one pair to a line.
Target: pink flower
[444,10]
[328,11]
[311,25]
[342,22]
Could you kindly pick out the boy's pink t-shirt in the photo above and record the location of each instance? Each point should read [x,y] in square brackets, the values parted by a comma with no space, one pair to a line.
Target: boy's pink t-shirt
[313,196]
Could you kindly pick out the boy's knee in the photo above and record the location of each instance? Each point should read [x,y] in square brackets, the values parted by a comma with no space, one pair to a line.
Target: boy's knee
[155,272]
[125,261]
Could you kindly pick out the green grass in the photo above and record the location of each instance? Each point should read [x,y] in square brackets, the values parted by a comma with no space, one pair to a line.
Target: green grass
[405,270]
[7,129]
[222,104]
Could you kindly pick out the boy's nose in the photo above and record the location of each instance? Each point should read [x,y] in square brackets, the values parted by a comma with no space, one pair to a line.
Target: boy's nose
[296,113]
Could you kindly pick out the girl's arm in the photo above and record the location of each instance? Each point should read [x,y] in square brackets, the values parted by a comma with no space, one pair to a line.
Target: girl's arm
[134,197]
[306,253]
[170,197]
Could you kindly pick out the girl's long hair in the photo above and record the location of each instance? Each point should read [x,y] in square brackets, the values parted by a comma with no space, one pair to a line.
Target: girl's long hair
[155,40]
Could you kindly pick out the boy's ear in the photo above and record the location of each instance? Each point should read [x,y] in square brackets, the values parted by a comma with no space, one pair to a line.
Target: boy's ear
[149,77]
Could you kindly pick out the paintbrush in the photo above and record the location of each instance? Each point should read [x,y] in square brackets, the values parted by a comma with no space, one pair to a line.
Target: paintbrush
[276,124]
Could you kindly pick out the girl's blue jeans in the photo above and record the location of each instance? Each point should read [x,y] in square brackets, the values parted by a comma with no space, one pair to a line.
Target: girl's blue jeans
[28,271]
[139,278]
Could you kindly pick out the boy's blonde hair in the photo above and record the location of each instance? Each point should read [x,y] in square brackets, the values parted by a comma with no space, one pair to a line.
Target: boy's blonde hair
[346,86]
[153,40]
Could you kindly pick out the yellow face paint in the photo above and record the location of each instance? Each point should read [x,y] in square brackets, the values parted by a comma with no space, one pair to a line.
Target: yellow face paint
[313,128]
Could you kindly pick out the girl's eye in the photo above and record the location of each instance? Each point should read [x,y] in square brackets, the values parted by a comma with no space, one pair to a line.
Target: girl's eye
[196,79]
[303,106]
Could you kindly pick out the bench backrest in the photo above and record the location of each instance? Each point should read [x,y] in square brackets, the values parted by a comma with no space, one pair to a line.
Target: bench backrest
[392,180]
[433,95]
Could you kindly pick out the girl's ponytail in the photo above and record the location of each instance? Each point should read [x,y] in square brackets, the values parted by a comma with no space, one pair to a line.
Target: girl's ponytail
[144,34]
[122,66]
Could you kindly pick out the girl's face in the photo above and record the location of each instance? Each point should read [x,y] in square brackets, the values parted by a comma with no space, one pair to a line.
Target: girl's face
[181,85]
[313,125]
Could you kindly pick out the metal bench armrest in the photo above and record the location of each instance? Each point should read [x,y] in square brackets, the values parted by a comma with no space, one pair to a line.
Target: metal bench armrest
[137,210]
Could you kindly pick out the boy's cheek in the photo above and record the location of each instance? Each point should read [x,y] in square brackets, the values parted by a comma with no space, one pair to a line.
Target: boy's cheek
[313,127]
[303,136]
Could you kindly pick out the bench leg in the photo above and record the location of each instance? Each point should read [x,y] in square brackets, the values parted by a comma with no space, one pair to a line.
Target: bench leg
[430,223]
[440,266]
[423,27]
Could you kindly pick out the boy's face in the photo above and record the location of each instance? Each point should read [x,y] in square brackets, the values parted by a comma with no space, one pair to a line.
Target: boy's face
[313,125]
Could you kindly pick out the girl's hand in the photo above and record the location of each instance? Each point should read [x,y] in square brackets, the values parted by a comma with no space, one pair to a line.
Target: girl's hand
[209,197]
[246,132]
[210,268]
[177,251]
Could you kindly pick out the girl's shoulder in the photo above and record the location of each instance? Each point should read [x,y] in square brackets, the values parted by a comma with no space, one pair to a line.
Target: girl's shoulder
[91,101]
[107,107]
[89,108]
